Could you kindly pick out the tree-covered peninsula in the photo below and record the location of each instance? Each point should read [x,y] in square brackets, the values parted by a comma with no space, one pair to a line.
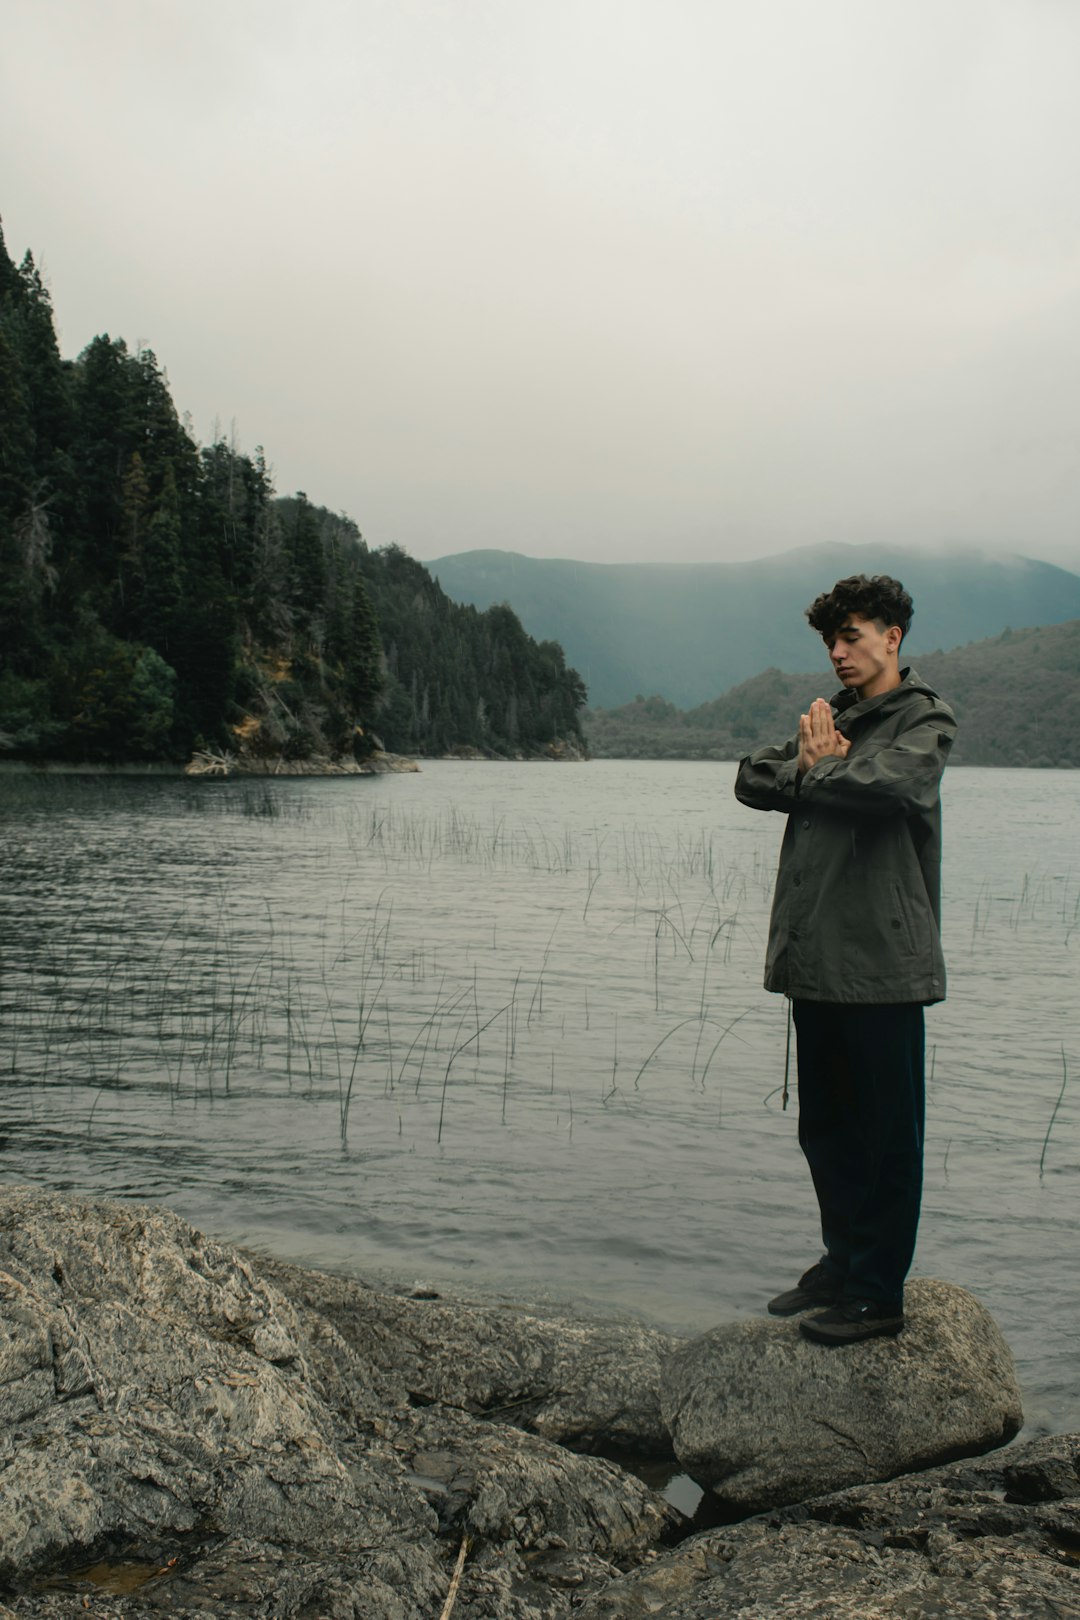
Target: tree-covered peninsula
[157,597]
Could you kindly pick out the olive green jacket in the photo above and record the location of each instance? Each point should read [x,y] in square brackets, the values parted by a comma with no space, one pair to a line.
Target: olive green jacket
[856,913]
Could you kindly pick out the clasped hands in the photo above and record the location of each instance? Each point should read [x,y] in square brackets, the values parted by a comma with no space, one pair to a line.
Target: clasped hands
[818,736]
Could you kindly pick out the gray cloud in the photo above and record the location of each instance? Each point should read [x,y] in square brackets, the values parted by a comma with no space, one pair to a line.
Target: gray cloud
[604,278]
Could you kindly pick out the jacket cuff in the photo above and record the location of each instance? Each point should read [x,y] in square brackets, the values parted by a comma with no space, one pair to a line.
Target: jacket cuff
[787,778]
[817,773]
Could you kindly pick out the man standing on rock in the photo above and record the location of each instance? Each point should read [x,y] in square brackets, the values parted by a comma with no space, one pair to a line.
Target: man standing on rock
[854,943]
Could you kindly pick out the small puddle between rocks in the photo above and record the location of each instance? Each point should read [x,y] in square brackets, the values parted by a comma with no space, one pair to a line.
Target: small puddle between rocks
[117,1578]
[122,1567]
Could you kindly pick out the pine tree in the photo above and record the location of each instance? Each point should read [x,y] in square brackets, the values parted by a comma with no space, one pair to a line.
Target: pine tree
[161,587]
[16,484]
[363,660]
[35,481]
[308,582]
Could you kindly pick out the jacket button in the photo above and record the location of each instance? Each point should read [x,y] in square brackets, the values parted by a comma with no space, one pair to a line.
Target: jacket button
[798,880]
[806,824]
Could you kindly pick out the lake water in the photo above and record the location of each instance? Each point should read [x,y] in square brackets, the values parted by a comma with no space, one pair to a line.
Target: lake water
[501,1028]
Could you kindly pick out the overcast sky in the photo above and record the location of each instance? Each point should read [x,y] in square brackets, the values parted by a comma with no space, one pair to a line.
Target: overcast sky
[610,279]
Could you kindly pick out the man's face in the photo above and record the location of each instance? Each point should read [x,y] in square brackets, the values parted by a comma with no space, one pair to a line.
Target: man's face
[864,655]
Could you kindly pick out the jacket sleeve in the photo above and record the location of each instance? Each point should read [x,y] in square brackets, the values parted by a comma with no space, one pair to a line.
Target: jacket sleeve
[898,777]
[768,779]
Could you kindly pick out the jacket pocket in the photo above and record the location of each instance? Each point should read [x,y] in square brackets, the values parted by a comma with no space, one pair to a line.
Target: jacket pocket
[903,921]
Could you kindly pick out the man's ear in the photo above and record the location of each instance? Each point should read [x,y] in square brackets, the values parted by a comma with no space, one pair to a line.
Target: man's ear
[893,637]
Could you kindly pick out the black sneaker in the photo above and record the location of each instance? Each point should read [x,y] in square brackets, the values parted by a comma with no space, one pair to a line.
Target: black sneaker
[852,1321]
[816,1287]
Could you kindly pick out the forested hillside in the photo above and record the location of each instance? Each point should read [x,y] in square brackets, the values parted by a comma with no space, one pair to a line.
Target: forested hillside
[1016,696]
[451,676]
[156,596]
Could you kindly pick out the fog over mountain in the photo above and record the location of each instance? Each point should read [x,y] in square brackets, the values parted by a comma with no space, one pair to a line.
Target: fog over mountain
[607,278]
[691,631]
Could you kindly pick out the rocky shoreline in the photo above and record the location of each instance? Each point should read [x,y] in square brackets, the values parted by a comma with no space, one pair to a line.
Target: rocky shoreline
[216,764]
[189,1430]
[378,763]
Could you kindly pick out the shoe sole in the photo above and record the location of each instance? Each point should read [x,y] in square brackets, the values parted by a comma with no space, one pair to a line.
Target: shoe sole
[820,1302]
[855,1333]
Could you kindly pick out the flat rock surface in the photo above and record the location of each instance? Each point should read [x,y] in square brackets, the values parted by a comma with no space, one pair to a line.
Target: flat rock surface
[595,1386]
[764,1417]
[996,1539]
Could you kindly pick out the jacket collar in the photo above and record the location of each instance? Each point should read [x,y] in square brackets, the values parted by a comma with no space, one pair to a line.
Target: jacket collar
[853,707]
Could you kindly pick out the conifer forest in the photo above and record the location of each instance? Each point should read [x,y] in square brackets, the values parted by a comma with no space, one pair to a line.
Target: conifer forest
[158,597]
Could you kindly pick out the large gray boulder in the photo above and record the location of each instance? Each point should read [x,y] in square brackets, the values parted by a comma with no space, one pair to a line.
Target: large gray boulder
[166,1411]
[995,1539]
[151,1386]
[763,1417]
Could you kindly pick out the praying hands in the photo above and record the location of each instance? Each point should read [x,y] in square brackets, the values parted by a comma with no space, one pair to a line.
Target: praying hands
[818,736]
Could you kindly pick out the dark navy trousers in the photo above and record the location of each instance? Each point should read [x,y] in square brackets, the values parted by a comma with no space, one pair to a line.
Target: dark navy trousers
[861,1119]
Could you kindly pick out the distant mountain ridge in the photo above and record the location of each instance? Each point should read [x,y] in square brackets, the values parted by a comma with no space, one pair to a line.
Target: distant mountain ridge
[690,631]
[1016,697]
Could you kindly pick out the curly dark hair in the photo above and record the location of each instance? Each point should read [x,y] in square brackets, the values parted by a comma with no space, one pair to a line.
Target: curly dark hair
[878,598]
